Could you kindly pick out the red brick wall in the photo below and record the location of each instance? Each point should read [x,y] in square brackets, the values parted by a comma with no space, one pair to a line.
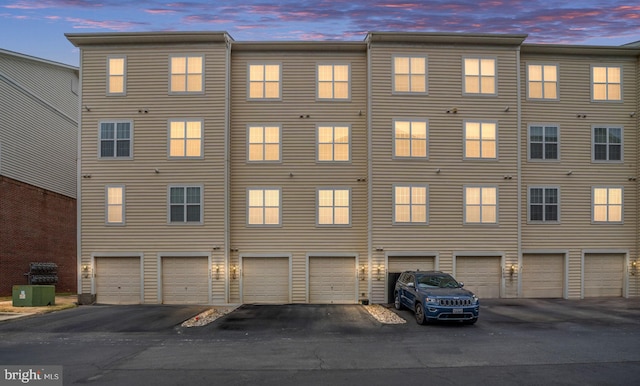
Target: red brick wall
[36,225]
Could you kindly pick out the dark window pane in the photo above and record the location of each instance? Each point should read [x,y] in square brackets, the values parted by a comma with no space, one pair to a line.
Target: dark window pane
[551,151]
[615,152]
[193,195]
[600,152]
[123,131]
[535,211]
[551,213]
[551,196]
[535,133]
[123,148]
[106,148]
[600,134]
[551,134]
[177,195]
[615,136]
[536,196]
[106,131]
[536,151]
[193,213]
[177,213]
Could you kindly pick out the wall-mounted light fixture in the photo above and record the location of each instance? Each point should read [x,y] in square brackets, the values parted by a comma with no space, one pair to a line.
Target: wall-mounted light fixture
[379,272]
[216,248]
[634,267]
[581,115]
[453,111]
[508,176]
[506,109]
[379,249]
[87,108]
[438,170]
[632,178]
[570,172]
[512,270]
[234,271]
[86,271]
[633,114]
[363,271]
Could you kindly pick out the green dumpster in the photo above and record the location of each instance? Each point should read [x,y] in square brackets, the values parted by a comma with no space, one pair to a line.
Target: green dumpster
[34,295]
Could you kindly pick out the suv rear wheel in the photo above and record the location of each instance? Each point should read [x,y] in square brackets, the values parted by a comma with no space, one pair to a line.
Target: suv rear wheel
[396,301]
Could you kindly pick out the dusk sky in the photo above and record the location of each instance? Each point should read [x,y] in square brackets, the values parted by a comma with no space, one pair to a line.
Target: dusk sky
[37,27]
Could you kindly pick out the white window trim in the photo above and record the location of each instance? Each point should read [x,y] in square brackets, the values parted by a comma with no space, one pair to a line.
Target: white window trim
[332,125]
[334,188]
[124,76]
[593,145]
[248,82]
[393,139]
[410,223]
[349,83]
[464,205]
[464,142]
[543,125]
[186,92]
[185,120]
[529,221]
[115,121]
[107,205]
[426,75]
[592,84]
[593,188]
[185,222]
[263,188]
[543,99]
[248,143]
[495,77]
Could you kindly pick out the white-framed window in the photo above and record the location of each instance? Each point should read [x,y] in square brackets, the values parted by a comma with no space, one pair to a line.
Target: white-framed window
[334,206]
[410,138]
[607,144]
[479,76]
[542,81]
[187,74]
[606,83]
[334,81]
[480,140]
[544,204]
[264,81]
[410,204]
[481,205]
[185,138]
[114,205]
[264,143]
[185,204]
[116,139]
[607,204]
[116,75]
[543,142]
[334,143]
[410,74]
[264,206]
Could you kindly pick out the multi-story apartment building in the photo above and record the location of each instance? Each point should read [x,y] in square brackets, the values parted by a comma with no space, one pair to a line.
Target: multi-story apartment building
[38,151]
[216,171]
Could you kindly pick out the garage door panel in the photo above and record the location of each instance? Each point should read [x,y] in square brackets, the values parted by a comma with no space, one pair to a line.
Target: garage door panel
[332,280]
[117,280]
[481,275]
[411,263]
[265,280]
[603,275]
[543,276]
[185,280]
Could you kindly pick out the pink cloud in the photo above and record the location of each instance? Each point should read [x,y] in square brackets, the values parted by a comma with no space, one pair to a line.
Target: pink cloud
[160,11]
[114,25]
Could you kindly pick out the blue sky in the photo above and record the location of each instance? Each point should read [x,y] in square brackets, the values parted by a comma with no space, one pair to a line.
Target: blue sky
[37,27]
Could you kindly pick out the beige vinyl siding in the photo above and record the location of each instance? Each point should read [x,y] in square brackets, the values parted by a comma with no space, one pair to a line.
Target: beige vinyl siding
[575,231]
[39,120]
[298,175]
[147,229]
[445,232]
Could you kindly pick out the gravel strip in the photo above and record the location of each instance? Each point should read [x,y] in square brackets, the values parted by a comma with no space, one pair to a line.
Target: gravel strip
[384,315]
[207,317]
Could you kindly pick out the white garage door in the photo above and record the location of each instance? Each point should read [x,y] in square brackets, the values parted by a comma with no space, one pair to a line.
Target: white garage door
[481,275]
[411,263]
[603,275]
[117,280]
[332,280]
[185,280]
[542,276]
[265,280]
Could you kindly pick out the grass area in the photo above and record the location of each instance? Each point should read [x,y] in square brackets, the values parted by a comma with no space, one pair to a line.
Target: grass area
[63,302]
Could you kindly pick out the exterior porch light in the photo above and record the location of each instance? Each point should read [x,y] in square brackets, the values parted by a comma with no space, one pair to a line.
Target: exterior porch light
[634,267]
[234,271]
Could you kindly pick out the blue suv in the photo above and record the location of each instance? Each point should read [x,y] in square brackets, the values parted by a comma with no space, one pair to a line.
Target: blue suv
[434,295]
